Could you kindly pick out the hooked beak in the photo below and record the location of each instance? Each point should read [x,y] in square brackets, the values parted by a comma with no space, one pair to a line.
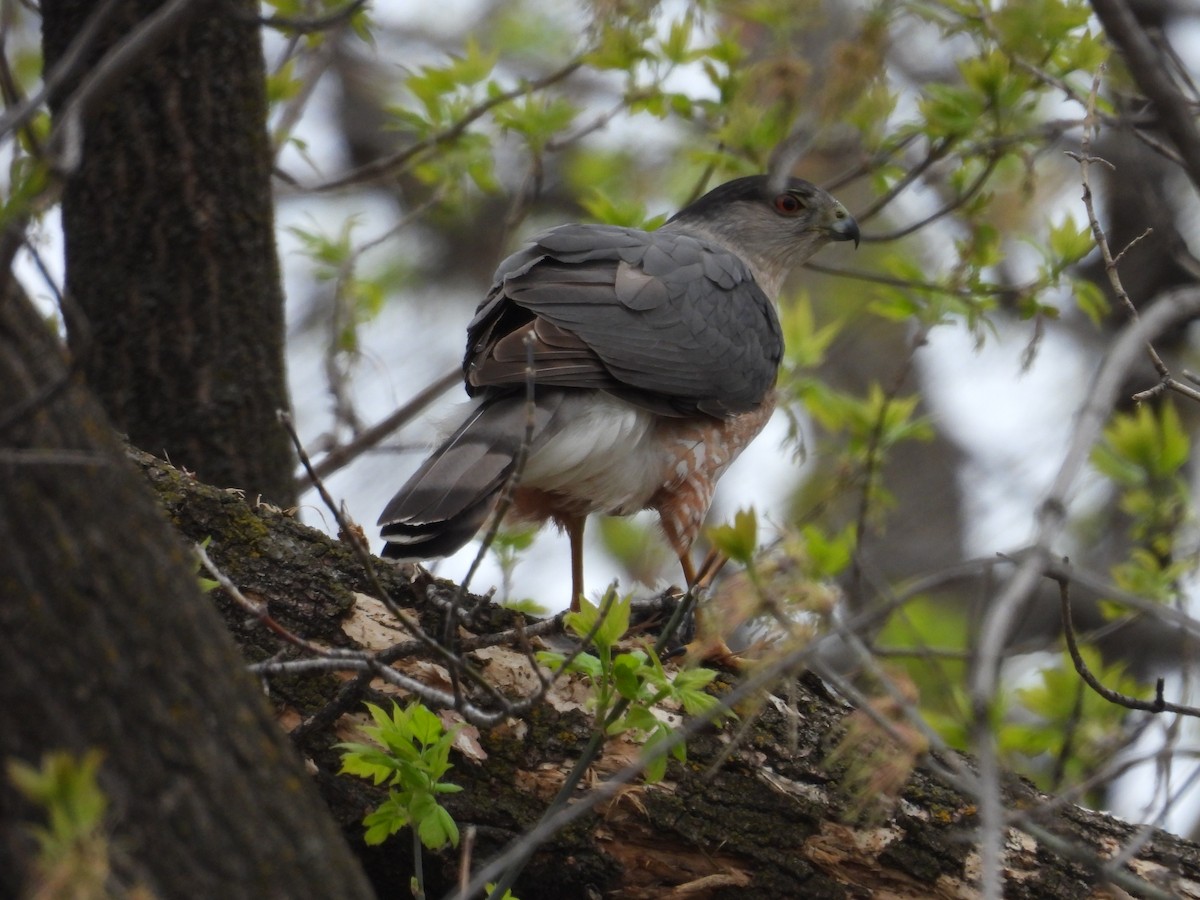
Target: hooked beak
[845,228]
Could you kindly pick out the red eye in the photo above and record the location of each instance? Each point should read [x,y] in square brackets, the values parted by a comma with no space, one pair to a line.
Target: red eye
[788,204]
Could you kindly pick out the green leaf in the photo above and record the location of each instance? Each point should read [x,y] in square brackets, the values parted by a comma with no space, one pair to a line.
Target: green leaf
[437,829]
[828,554]
[1068,242]
[1091,300]
[694,679]
[424,726]
[626,671]
[388,818]
[656,768]
[538,118]
[66,786]
[806,344]
[738,541]
[412,756]
[616,611]
[1151,445]
[950,111]
[367,761]
[611,629]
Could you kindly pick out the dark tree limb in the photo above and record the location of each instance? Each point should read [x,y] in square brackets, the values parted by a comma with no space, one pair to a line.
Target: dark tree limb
[773,820]
[107,643]
[1146,64]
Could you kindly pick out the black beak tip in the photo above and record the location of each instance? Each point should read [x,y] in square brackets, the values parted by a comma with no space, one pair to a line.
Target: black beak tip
[846,230]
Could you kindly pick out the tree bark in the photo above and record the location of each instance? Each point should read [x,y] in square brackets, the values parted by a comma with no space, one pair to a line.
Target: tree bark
[107,643]
[776,818]
[170,243]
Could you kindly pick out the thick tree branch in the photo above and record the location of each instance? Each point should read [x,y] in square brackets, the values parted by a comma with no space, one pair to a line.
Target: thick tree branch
[773,819]
[1145,64]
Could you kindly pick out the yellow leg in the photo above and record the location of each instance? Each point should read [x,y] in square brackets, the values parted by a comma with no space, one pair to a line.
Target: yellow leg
[709,645]
[574,529]
[713,563]
[689,570]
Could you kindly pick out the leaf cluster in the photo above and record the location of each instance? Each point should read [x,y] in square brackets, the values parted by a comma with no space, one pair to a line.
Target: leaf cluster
[636,677]
[410,754]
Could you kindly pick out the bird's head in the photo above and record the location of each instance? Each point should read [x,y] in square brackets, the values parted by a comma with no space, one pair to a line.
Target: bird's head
[772,227]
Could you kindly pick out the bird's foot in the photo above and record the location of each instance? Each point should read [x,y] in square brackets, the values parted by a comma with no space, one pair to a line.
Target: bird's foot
[713,651]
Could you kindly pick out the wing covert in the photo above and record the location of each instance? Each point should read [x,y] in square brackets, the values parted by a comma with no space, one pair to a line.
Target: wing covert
[668,321]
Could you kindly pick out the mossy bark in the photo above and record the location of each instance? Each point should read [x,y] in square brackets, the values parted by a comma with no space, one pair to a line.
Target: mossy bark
[771,819]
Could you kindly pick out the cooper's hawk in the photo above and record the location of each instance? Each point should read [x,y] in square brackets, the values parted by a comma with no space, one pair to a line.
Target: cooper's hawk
[652,356]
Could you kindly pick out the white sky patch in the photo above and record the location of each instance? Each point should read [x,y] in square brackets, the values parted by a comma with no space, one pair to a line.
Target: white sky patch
[1014,424]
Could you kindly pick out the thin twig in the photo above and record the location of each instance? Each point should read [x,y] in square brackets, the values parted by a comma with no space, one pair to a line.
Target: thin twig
[262,613]
[346,453]
[311,24]
[970,191]
[1145,64]
[874,455]
[351,535]
[390,165]
[1158,705]
[454,663]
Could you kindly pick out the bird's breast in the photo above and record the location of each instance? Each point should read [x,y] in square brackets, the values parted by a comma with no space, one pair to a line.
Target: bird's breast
[606,455]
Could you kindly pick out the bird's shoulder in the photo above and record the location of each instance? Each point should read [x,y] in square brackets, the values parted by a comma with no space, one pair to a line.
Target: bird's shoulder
[635,268]
[671,318]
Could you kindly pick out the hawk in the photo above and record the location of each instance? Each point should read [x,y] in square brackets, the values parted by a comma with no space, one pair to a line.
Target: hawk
[651,356]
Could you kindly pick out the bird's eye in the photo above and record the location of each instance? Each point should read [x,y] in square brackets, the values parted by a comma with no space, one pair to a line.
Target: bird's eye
[788,204]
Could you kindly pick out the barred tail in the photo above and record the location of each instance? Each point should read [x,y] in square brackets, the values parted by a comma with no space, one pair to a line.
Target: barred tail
[449,498]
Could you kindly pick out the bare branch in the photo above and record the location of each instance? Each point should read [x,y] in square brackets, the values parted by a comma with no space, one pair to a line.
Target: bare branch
[390,165]
[1157,705]
[346,453]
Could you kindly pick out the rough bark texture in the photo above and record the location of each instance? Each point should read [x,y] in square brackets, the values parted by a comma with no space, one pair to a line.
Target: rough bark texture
[107,643]
[170,245]
[771,822]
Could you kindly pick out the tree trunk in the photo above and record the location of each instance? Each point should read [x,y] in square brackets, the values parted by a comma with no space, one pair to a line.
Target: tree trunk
[107,643]
[170,244]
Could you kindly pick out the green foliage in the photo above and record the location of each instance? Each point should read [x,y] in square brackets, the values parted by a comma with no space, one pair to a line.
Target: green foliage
[283,84]
[635,681]
[446,98]
[637,546]
[827,554]
[289,11]
[508,548]
[738,541]
[537,119]
[1144,454]
[73,849]
[1053,729]
[66,787]
[936,635]
[358,298]
[805,342]
[411,754]
[866,428]
[1065,729]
